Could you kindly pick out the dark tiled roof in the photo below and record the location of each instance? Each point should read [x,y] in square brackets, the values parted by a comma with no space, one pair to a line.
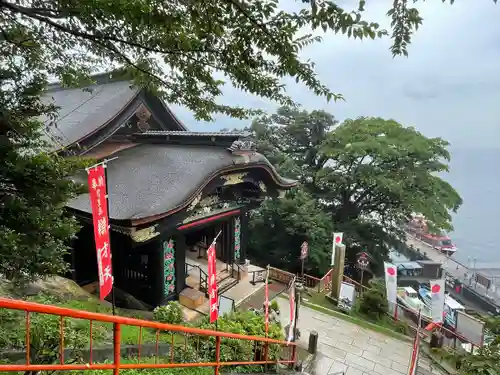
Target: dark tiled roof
[83,111]
[151,179]
[194,134]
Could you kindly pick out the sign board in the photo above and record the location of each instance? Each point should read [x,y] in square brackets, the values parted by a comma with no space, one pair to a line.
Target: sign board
[363,260]
[304,249]
[347,296]
[470,328]
[483,280]
[226,305]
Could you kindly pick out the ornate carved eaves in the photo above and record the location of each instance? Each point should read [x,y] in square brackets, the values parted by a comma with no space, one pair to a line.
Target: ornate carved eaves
[143,235]
[234,178]
[143,114]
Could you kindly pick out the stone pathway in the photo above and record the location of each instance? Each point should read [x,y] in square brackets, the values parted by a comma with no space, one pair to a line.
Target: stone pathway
[344,347]
[257,299]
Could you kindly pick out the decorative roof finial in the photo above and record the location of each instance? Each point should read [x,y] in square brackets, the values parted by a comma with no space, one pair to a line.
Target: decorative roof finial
[243,144]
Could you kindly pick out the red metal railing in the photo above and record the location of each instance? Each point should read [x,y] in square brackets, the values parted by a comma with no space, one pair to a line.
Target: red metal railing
[265,351]
[360,288]
[410,318]
[326,281]
[320,284]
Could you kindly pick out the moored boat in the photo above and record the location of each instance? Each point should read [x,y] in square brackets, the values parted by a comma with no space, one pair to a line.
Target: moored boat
[451,306]
[408,297]
[418,228]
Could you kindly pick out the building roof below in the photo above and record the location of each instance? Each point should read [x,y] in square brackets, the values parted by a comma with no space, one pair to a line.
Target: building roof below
[151,179]
[83,111]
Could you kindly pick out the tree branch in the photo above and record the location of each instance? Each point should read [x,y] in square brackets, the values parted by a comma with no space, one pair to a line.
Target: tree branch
[92,37]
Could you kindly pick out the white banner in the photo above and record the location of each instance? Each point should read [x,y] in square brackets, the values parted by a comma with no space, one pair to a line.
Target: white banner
[437,300]
[337,238]
[332,263]
[391,284]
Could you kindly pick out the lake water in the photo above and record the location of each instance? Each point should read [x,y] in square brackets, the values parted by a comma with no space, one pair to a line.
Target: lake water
[475,174]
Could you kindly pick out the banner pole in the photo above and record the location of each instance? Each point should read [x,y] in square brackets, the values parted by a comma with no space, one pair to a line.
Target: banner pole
[104,164]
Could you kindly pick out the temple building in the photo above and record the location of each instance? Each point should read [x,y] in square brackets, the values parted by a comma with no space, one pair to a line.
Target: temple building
[171,191]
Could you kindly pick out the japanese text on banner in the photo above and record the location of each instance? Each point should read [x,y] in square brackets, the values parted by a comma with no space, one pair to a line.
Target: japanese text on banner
[291,296]
[212,284]
[98,203]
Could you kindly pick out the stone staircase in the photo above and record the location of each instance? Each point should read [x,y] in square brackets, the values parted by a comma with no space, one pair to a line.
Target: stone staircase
[196,279]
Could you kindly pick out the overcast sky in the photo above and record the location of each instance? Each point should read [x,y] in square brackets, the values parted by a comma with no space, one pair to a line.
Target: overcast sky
[449,86]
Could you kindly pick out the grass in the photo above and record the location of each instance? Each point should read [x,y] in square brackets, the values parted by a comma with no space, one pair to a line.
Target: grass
[103,332]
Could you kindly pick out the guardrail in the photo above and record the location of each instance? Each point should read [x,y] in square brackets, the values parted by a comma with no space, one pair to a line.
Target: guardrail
[194,343]
[203,287]
[280,275]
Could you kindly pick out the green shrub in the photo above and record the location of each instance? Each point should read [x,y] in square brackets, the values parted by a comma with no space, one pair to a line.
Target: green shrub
[399,326]
[170,313]
[244,323]
[373,304]
[274,306]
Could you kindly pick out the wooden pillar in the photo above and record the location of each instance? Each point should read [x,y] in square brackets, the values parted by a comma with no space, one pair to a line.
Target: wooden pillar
[155,263]
[243,236]
[227,232]
[180,262]
[338,270]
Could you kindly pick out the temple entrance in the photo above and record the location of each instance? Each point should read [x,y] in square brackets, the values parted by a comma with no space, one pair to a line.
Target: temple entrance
[198,239]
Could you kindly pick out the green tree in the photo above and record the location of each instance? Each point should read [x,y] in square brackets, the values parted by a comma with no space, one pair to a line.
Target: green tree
[368,175]
[172,48]
[486,359]
[34,186]
[280,226]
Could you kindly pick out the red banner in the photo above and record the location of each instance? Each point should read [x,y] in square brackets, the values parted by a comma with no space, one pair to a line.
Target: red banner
[97,194]
[291,296]
[212,284]
[267,301]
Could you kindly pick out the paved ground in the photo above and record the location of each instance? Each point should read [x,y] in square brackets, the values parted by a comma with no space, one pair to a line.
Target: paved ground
[257,299]
[455,268]
[346,347]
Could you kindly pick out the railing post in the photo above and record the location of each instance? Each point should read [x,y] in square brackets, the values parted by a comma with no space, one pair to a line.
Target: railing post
[217,355]
[116,347]
[294,351]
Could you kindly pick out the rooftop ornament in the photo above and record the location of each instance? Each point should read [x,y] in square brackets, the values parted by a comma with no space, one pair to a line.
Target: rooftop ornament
[243,144]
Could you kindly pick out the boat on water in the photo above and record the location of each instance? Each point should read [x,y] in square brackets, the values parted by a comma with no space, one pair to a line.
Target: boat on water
[408,297]
[418,228]
[451,306]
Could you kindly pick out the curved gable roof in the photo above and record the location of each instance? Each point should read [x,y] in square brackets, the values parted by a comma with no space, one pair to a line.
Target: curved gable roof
[85,111]
[151,179]
[82,111]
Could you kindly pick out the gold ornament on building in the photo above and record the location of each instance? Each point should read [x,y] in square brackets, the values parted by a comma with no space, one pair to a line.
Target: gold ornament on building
[234,179]
[143,235]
